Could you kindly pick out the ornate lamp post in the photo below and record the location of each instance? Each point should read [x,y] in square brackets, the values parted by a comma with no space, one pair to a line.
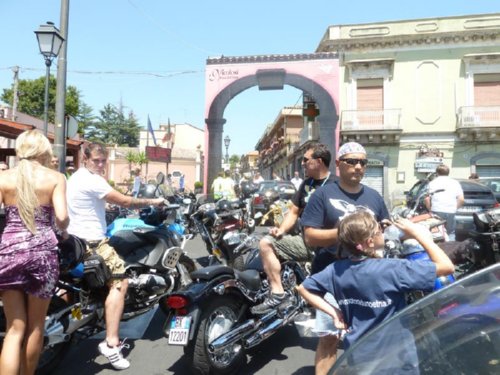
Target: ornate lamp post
[227,141]
[50,41]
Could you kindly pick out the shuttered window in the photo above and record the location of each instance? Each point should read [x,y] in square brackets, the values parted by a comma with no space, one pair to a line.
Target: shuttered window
[370,99]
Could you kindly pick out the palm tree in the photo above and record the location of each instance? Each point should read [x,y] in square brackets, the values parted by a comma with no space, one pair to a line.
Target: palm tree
[131,157]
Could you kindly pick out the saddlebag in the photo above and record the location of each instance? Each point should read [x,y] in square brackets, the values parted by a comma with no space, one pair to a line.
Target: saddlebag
[487,221]
[95,271]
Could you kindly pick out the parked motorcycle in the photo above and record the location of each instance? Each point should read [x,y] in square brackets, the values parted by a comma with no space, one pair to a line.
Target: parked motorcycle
[223,228]
[277,204]
[212,316]
[155,265]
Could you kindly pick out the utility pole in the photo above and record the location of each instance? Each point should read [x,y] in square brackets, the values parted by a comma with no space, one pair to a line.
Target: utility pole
[15,93]
[60,118]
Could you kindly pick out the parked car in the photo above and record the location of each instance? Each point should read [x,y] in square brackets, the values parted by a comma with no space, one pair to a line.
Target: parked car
[494,184]
[268,191]
[477,197]
[452,331]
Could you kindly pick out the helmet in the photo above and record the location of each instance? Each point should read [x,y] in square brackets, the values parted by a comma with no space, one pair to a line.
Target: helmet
[148,191]
[71,252]
[223,205]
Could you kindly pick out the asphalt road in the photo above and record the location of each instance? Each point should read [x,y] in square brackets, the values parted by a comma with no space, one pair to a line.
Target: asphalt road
[149,353]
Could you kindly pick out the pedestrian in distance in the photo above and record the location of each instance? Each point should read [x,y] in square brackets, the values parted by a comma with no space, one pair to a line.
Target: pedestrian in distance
[296,180]
[35,198]
[446,196]
[54,163]
[87,195]
[327,206]
[182,183]
[370,290]
[257,178]
[285,242]
[137,182]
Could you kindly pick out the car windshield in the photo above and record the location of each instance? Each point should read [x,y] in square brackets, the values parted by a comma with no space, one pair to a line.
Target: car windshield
[455,330]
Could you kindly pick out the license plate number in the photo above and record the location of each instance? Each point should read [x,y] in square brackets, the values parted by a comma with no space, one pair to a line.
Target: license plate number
[179,330]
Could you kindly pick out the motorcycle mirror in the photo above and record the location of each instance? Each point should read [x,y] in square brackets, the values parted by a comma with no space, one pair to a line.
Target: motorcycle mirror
[160,178]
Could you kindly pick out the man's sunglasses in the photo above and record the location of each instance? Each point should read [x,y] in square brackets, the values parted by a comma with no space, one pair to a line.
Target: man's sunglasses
[305,160]
[354,162]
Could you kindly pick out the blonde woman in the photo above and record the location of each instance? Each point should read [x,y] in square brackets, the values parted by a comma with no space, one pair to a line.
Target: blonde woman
[34,197]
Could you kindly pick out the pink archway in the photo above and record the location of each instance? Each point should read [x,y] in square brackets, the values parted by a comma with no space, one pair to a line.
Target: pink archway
[316,74]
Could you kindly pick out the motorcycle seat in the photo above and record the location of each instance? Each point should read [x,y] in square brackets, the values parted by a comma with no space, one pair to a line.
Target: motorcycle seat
[251,279]
[210,272]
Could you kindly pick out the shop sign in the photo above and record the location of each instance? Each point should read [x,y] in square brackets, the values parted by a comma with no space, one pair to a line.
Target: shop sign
[427,164]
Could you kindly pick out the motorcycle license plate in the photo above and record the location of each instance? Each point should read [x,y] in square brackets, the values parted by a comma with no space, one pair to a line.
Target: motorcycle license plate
[179,330]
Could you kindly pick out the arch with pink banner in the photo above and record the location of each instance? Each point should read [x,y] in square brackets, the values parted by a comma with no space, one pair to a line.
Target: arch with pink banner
[316,74]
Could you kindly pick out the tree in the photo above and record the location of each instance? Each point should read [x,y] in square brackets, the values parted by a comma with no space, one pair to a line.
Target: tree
[85,118]
[112,127]
[31,98]
[234,160]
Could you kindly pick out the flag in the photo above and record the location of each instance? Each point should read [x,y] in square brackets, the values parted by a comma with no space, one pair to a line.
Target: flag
[150,129]
[169,137]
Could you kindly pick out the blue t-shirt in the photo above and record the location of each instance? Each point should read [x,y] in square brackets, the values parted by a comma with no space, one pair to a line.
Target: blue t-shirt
[372,290]
[330,203]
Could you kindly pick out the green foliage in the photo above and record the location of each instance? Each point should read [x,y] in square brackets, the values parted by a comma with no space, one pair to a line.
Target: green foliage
[113,127]
[85,118]
[31,97]
[198,184]
[233,161]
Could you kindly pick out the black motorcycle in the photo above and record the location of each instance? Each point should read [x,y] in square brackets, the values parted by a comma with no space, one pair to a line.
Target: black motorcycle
[155,265]
[224,231]
[212,317]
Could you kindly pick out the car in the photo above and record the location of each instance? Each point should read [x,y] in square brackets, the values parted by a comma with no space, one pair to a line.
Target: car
[494,184]
[478,197]
[455,330]
[269,191]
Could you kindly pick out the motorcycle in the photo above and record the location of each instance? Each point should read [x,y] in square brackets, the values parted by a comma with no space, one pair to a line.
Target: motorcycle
[155,265]
[277,204]
[223,228]
[212,317]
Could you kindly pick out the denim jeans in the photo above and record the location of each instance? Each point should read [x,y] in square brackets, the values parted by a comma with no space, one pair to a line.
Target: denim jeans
[450,223]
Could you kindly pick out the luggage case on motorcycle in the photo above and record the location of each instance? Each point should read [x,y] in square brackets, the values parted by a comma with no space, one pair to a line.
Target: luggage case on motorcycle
[95,271]
[487,221]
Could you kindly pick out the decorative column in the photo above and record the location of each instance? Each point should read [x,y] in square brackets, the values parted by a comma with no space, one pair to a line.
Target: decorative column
[213,159]
[327,135]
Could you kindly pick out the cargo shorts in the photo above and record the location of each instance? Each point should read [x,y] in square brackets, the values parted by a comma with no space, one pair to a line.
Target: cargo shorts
[115,264]
[290,247]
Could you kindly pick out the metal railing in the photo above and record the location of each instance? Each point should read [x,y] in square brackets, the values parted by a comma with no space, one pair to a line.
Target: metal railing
[478,117]
[383,119]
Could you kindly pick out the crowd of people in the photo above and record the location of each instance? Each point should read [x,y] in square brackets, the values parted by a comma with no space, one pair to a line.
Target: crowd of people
[334,221]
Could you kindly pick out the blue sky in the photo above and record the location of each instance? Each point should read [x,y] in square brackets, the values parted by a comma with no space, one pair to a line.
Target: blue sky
[150,55]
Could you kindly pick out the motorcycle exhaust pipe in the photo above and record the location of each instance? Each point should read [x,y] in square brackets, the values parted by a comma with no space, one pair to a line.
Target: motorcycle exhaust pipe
[232,336]
[270,329]
[56,333]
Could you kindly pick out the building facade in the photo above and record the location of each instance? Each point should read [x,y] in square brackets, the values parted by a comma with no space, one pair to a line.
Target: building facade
[420,92]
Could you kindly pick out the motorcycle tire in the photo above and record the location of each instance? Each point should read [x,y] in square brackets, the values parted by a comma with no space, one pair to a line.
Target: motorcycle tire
[217,317]
[51,357]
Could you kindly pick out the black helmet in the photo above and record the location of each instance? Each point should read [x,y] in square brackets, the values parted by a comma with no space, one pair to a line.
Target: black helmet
[223,205]
[71,252]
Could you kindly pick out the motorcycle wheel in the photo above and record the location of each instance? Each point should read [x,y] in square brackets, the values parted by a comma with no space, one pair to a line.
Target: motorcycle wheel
[217,318]
[51,357]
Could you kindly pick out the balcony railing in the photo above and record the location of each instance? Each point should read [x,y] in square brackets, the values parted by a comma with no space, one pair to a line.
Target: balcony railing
[383,119]
[478,117]
[310,132]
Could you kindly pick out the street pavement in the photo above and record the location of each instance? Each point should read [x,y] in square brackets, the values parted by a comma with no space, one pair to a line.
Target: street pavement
[284,353]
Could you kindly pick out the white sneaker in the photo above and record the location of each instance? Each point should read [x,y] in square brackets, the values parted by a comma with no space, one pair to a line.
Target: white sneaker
[114,354]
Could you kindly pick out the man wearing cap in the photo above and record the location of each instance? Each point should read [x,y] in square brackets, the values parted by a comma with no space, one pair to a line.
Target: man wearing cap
[320,218]
[284,242]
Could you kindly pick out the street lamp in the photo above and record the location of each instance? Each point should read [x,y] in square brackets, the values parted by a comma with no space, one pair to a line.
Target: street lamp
[227,141]
[50,41]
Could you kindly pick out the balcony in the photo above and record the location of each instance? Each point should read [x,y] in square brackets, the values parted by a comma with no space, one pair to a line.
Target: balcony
[371,126]
[478,123]
[310,132]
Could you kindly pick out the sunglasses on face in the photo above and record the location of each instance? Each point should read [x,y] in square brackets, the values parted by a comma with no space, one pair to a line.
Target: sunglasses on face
[354,162]
[305,160]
